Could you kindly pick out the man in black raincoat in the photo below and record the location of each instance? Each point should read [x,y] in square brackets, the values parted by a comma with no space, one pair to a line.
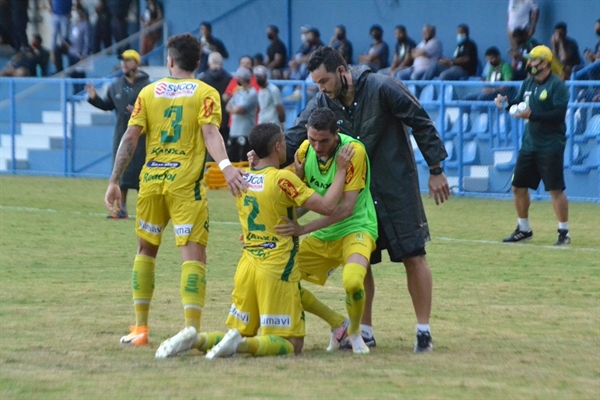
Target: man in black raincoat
[377,109]
[120,97]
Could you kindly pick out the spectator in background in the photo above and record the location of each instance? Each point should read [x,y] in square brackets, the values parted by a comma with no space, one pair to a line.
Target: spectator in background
[152,15]
[77,47]
[464,63]
[592,71]
[524,44]
[119,9]
[258,59]
[269,99]
[522,15]
[120,97]
[19,20]
[102,35]
[565,49]
[232,87]
[5,23]
[22,64]
[425,55]
[499,71]
[276,53]
[340,42]
[402,58]
[298,64]
[41,55]
[218,78]
[242,107]
[61,25]
[209,45]
[378,55]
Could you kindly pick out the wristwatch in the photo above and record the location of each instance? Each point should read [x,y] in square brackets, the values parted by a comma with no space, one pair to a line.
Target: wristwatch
[436,171]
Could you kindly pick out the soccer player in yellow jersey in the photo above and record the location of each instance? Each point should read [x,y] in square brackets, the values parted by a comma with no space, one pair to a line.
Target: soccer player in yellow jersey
[180,117]
[347,236]
[266,293]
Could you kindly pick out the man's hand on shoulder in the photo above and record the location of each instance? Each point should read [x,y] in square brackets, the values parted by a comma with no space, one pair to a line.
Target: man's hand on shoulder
[235,180]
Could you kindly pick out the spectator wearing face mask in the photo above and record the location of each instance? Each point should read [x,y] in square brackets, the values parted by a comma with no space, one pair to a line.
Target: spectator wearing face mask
[312,41]
[276,59]
[378,55]
[242,107]
[340,42]
[592,71]
[565,49]
[464,62]
[209,44]
[270,103]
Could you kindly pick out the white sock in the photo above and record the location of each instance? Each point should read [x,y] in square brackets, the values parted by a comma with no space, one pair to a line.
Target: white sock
[563,225]
[524,224]
[366,330]
[423,327]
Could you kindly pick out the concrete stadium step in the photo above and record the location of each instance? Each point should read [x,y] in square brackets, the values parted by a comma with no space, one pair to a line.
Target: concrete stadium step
[53,161]
[85,114]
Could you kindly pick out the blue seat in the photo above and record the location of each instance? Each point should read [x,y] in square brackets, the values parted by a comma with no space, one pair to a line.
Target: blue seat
[480,125]
[469,156]
[590,162]
[466,124]
[412,88]
[427,94]
[449,93]
[448,123]
[592,129]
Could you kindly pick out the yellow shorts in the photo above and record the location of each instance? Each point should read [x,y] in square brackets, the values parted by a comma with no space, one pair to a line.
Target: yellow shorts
[190,219]
[318,259]
[263,301]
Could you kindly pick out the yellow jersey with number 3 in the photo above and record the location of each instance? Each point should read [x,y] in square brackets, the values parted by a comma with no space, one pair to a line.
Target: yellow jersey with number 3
[272,193]
[171,113]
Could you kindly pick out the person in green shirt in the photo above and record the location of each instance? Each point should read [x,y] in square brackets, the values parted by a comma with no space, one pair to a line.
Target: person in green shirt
[541,154]
[499,71]
[346,237]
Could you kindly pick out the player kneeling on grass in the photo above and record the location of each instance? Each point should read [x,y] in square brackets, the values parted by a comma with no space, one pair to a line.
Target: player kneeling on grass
[346,237]
[266,292]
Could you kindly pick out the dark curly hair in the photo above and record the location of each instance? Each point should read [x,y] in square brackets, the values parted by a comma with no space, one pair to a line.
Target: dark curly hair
[328,57]
[323,119]
[184,49]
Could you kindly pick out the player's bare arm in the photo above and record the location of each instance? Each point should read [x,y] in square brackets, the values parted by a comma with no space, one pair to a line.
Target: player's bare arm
[327,204]
[124,154]
[216,147]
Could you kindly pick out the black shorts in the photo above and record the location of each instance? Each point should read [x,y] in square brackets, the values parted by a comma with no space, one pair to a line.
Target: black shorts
[533,167]
[383,243]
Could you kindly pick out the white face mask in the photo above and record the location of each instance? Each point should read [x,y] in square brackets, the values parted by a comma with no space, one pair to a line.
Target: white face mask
[303,38]
[75,17]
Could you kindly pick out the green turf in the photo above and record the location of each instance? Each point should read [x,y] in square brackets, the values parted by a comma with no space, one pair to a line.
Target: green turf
[509,321]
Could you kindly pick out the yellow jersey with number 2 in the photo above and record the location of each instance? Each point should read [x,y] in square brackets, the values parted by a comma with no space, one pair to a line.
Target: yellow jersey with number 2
[272,193]
[171,112]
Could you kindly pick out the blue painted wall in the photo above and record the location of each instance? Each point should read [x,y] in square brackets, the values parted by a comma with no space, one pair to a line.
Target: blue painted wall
[243,29]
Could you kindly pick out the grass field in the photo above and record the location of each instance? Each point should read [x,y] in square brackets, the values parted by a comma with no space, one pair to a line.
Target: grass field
[509,321]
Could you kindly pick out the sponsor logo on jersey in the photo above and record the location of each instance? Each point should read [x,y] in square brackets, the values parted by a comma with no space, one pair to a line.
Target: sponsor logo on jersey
[268,245]
[159,150]
[172,90]
[288,188]
[164,176]
[266,238]
[349,173]
[256,183]
[158,164]
[150,228]
[275,320]
[183,229]
[315,183]
[137,108]
[242,316]
[209,105]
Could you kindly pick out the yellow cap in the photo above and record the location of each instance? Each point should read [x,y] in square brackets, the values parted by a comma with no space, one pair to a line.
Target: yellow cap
[540,53]
[130,55]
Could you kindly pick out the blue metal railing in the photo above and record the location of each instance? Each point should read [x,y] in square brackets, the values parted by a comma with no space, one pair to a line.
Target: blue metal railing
[500,138]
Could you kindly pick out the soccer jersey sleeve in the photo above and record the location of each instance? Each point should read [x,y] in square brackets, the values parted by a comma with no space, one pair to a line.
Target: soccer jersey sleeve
[139,113]
[210,110]
[356,173]
[293,188]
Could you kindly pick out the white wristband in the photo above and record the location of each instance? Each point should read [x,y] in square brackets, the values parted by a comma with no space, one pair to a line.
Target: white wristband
[224,164]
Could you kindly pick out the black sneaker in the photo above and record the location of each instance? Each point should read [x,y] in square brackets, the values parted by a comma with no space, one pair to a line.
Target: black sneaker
[518,236]
[423,343]
[563,237]
[370,342]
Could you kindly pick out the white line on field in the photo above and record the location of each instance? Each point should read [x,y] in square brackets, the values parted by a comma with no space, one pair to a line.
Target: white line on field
[446,239]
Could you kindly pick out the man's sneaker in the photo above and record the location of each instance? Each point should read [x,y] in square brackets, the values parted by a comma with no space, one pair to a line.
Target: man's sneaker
[227,346]
[518,236]
[563,237]
[121,214]
[177,344]
[358,344]
[138,336]
[369,341]
[423,343]
[338,335]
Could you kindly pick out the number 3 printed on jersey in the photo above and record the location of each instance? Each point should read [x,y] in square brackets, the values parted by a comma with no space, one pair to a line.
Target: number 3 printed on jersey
[175,113]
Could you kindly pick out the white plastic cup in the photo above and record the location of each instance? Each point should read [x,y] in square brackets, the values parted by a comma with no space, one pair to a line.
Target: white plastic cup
[513,109]
[522,106]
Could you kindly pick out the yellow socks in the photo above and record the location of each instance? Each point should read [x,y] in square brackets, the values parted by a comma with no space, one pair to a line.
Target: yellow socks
[266,346]
[353,278]
[193,292]
[207,340]
[142,283]
[314,306]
